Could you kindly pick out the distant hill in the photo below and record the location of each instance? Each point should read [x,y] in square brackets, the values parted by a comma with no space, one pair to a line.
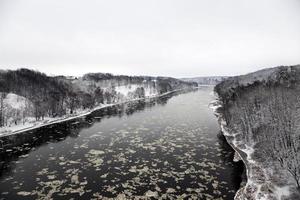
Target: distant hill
[206,80]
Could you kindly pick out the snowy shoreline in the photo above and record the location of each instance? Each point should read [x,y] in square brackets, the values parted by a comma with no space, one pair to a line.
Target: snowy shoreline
[215,105]
[254,171]
[50,121]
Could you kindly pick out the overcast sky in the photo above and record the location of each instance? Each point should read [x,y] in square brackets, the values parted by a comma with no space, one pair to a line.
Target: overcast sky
[179,38]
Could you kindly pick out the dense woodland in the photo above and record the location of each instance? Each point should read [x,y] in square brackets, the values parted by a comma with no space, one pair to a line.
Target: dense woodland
[264,108]
[207,80]
[47,96]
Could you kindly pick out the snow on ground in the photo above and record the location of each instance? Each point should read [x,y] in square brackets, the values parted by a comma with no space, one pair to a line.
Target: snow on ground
[125,89]
[255,171]
[15,101]
[14,108]
[32,124]
[282,191]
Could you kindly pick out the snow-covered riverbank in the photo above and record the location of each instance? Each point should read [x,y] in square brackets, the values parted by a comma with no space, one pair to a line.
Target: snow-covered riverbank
[32,124]
[259,185]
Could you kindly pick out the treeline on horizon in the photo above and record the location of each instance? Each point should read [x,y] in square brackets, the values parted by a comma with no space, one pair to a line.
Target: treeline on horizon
[60,95]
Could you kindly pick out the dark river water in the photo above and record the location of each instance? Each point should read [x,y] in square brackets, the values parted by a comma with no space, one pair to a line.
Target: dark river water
[166,148]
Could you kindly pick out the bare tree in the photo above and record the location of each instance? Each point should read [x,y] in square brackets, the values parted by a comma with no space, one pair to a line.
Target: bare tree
[2,114]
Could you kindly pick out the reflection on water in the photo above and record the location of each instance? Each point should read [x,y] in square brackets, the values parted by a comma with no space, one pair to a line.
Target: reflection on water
[227,154]
[165,148]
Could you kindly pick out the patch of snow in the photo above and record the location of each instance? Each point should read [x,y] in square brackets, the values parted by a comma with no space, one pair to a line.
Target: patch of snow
[125,89]
[15,101]
[282,191]
[32,124]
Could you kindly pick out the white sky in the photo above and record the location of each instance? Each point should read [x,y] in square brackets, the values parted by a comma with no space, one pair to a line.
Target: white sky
[179,38]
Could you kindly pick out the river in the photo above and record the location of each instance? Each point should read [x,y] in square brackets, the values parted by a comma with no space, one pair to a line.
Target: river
[166,148]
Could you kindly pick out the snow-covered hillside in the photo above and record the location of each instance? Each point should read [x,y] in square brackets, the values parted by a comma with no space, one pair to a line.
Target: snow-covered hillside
[149,89]
[260,117]
[15,101]
[33,98]
[15,109]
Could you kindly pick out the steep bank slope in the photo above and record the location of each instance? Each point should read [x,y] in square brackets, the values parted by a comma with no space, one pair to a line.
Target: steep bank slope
[260,116]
